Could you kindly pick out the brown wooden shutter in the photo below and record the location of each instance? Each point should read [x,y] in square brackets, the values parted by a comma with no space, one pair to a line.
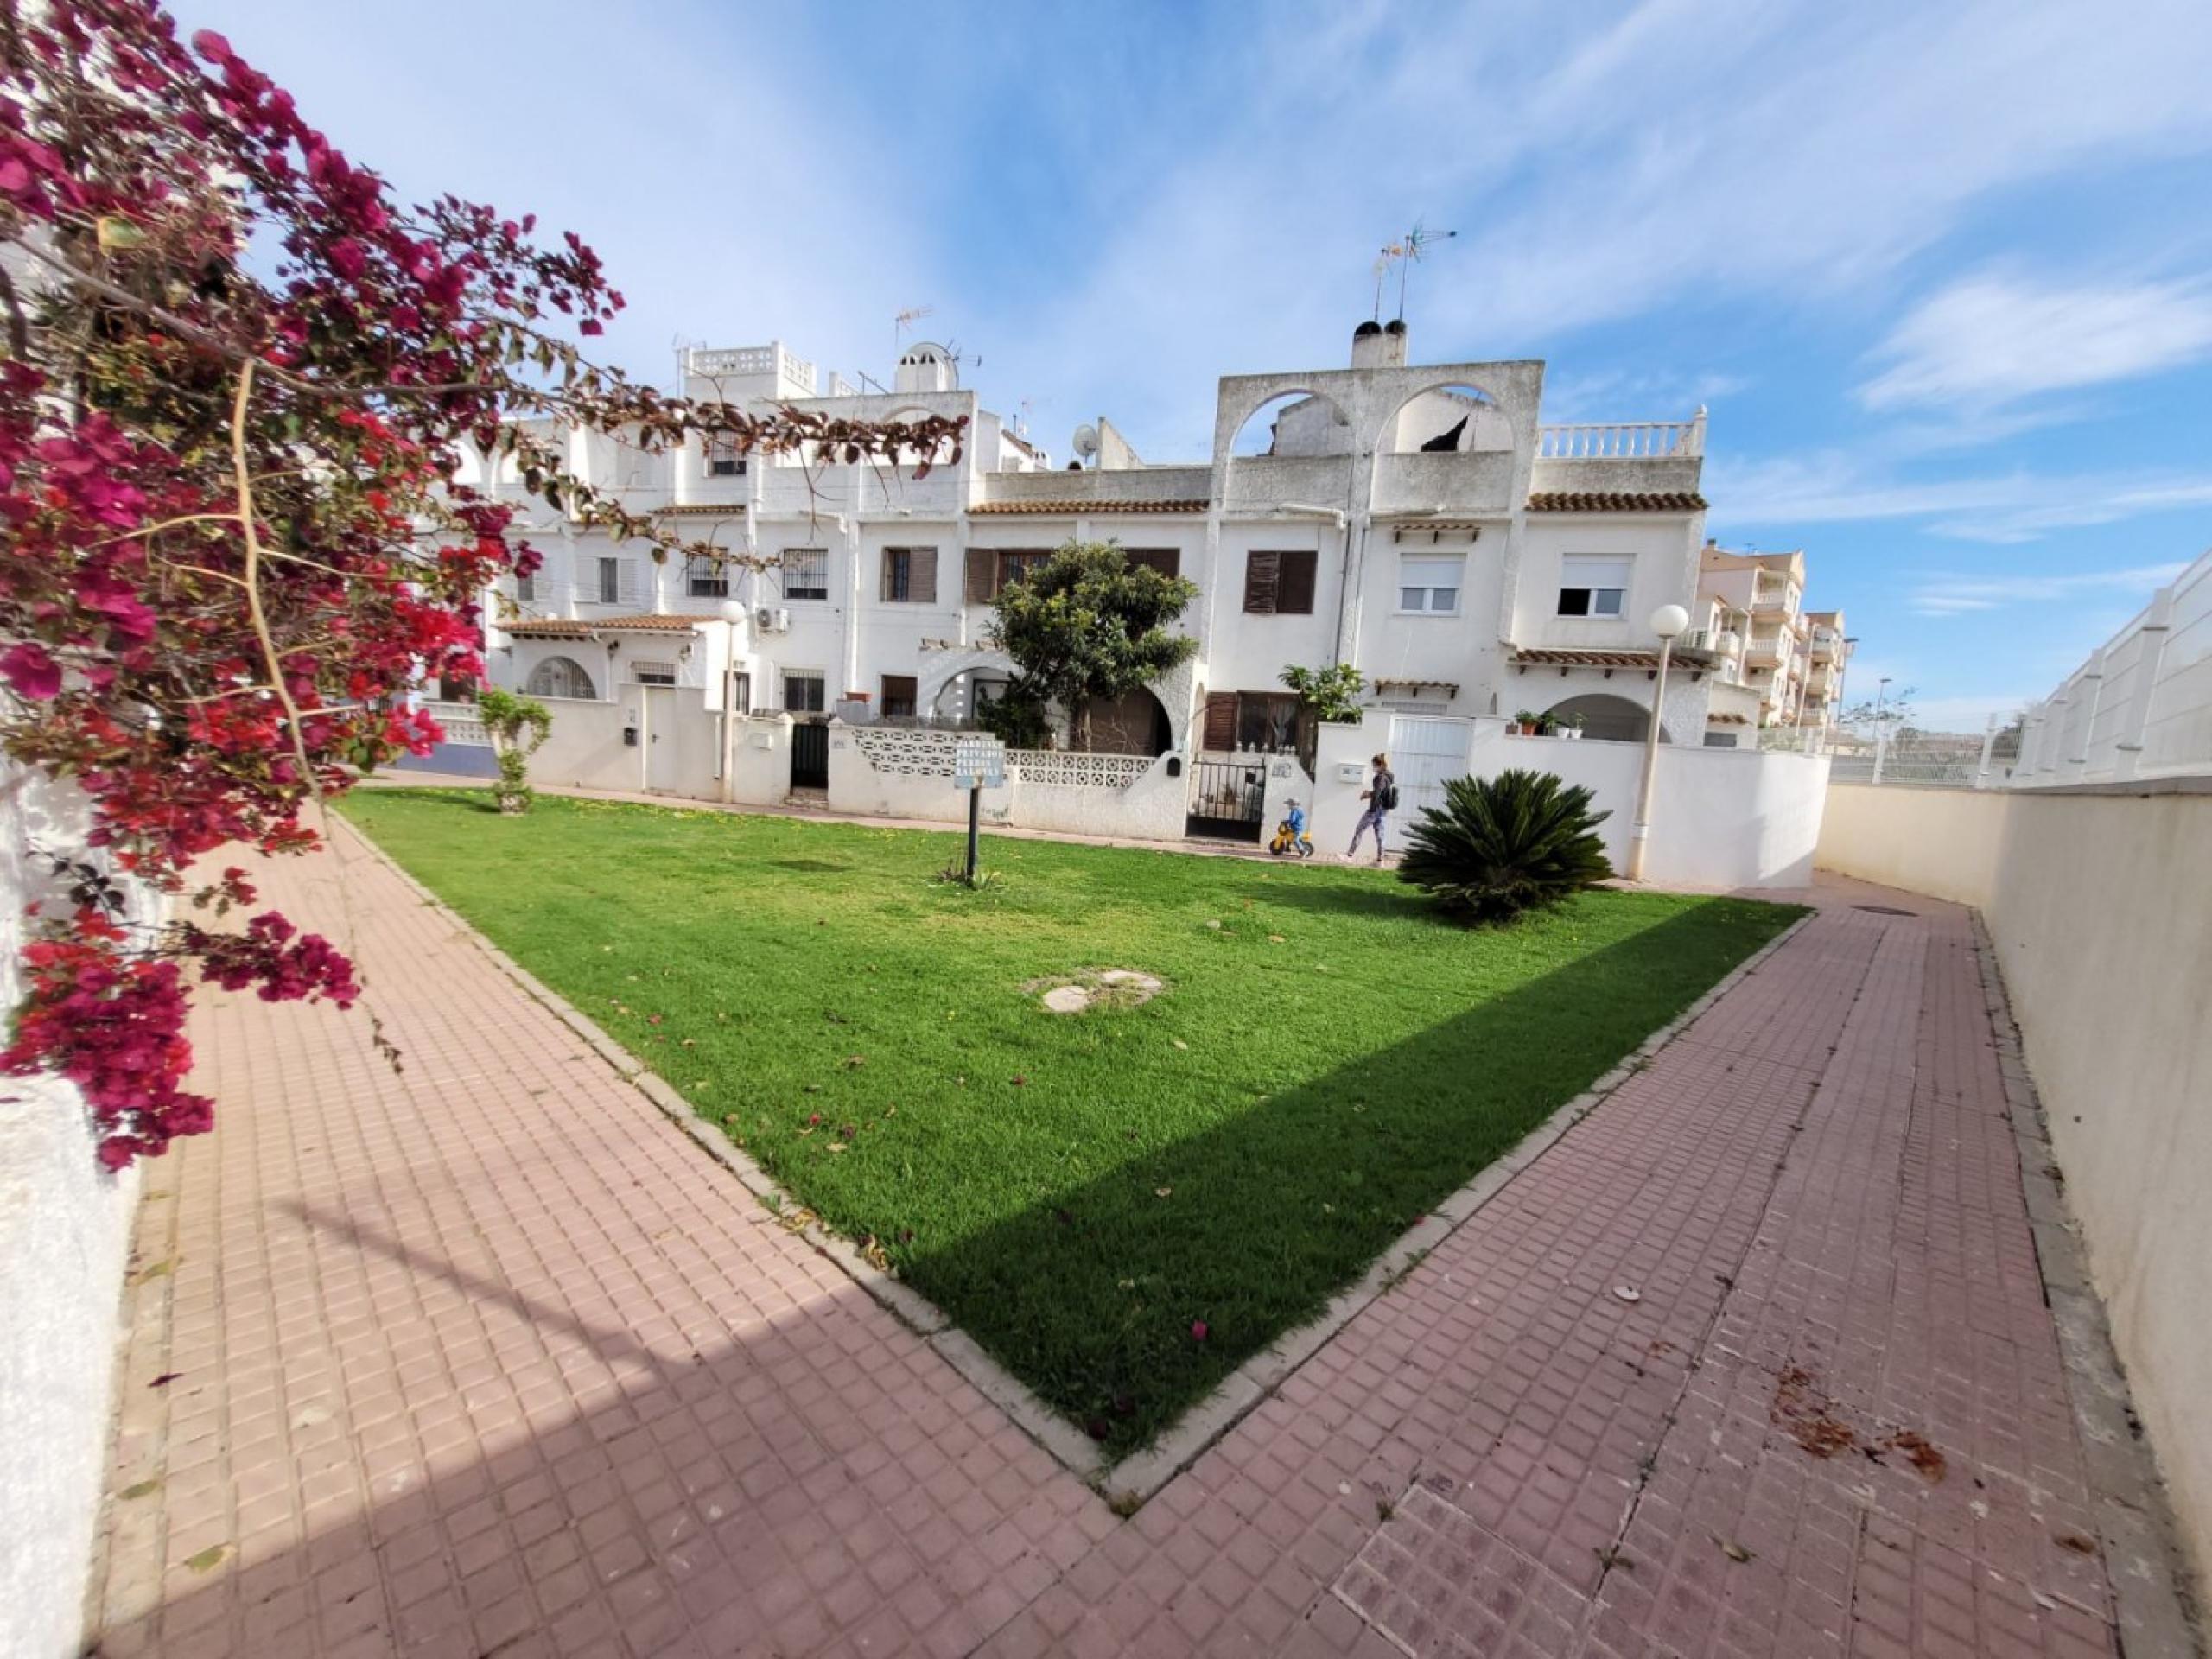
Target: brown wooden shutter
[1166,560]
[982,564]
[1263,580]
[1220,721]
[921,576]
[900,691]
[1295,595]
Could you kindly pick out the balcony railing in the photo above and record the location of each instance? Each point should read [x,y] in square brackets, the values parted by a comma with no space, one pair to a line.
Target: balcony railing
[1762,648]
[1622,440]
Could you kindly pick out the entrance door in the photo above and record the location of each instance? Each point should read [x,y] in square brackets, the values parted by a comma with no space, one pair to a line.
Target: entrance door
[664,770]
[1424,751]
[810,755]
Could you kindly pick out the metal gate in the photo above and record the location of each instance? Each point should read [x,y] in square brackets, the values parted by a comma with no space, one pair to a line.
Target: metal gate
[810,755]
[1424,751]
[1227,798]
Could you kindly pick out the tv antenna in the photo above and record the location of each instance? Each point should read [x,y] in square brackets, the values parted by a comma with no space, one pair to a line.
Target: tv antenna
[906,320]
[1404,253]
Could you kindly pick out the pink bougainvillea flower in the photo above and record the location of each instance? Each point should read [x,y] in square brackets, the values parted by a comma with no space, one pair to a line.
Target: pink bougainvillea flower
[32,673]
[1198,1330]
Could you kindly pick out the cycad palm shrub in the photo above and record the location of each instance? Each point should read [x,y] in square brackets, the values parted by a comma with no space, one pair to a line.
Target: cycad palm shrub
[1500,846]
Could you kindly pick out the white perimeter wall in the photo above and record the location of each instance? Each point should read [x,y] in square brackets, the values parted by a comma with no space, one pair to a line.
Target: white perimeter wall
[1039,794]
[2100,905]
[1723,818]
[65,1232]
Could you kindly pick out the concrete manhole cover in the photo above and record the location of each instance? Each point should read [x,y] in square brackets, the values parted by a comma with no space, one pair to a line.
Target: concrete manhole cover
[1109,987]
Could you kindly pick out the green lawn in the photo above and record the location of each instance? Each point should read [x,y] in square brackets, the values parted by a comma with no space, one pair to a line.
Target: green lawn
[1326,1062]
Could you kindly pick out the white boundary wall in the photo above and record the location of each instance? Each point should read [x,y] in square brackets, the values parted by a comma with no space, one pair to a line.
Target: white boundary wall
[2141,707]
[65,1236]
[884,771]
[2099,902]
[1724,818]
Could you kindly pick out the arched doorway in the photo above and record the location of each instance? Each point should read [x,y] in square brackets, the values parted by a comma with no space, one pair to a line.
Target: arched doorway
[562,676]
[1607,717]
[1135,724]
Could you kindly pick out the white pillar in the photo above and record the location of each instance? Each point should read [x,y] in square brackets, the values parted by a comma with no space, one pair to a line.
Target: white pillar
[2150,657]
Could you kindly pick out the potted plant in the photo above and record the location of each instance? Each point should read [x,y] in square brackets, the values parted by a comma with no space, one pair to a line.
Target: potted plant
[520,727]
[1525,721]
[1545,725]
[1575,725]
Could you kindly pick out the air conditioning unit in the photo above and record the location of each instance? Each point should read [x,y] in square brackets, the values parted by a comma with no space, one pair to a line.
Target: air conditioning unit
[772,619]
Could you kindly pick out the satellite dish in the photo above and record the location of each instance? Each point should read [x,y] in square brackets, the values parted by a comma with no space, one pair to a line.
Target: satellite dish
[1085,443]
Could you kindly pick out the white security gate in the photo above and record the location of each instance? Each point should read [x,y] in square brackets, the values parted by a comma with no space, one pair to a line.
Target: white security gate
[1424,751]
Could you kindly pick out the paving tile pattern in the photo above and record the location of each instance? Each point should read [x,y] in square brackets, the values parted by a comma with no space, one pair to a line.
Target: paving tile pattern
[484,1358]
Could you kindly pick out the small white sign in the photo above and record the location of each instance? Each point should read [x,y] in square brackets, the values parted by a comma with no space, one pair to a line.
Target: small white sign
[979,763]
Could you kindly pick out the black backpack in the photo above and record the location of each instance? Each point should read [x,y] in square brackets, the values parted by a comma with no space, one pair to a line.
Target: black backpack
[1386,798]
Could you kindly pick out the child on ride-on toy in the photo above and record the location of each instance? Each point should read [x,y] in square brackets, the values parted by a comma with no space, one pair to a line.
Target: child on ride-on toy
[1290,834]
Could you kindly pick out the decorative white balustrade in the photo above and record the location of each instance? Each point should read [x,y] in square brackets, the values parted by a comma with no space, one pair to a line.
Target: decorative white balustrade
[1622,440]
[911,753]
[461,723]
[1084,771]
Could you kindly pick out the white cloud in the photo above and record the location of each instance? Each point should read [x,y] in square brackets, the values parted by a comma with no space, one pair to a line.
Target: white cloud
[1993,339]
[1945,595]
[2003,508]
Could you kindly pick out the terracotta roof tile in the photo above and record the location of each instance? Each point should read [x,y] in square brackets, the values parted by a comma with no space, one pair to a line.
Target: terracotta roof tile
[644,622]
[1616,501]
[1064,509]
[1694,660]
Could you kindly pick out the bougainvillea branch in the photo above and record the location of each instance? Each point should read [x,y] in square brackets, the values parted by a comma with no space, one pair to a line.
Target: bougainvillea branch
[240,379]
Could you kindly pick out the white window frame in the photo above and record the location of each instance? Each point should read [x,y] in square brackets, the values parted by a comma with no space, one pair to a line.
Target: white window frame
[1418,598]
[646,670]
[786,571]
[820,677]
[526,589]
[609,566]
[1592,565]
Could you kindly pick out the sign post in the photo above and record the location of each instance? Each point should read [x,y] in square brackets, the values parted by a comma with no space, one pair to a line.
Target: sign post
[978,763]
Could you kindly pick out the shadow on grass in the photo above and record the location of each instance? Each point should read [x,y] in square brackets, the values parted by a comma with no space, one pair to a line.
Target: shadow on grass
[1090,1295]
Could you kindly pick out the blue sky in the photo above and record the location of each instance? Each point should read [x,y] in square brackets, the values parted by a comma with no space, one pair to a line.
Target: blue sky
[1943,274]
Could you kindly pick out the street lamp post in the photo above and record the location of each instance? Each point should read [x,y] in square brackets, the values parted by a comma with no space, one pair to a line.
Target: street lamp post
[1668,622]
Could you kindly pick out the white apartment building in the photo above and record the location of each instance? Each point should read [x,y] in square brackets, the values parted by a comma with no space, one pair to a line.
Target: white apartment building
[1792,659]
[1421,521]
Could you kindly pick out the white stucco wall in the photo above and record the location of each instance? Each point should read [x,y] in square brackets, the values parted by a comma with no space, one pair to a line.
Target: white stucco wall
[1722,818]
[65,1228]
[1944,843]
[1151,808]
[2100,913]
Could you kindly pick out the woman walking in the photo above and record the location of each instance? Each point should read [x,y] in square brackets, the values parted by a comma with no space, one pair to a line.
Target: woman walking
[1381,796]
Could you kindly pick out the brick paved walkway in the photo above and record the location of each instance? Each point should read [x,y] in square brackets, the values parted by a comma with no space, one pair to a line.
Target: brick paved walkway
[486,1358]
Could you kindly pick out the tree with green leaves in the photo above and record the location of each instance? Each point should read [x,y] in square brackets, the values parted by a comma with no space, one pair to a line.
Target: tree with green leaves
[1086,626]
[1330,695]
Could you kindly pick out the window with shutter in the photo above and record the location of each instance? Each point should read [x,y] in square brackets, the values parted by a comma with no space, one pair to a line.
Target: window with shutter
[1296,597]
[1019,564]
[898,694]
[982,562]
[910,575]
[610,581]
[1220,721]
[1262,583]
[1168,561]
[705,578]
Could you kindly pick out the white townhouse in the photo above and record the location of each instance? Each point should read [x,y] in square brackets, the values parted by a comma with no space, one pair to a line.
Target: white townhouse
[1421,521]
